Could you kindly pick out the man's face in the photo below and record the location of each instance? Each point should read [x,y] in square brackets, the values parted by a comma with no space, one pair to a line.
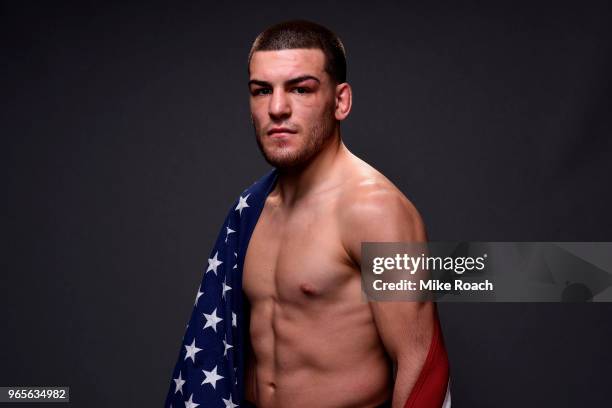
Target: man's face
[292,102]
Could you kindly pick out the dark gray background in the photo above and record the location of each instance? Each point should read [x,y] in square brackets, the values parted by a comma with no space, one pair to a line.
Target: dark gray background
[126,137]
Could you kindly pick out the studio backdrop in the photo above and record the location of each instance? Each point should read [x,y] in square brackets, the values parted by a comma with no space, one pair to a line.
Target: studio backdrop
[127,136]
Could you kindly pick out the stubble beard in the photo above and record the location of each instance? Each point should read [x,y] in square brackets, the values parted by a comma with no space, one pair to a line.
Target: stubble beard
[320,133]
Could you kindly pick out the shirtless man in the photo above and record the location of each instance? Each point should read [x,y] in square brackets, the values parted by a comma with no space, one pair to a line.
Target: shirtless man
[315,341]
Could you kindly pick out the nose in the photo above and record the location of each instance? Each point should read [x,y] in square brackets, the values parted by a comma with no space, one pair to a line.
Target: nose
[279,107]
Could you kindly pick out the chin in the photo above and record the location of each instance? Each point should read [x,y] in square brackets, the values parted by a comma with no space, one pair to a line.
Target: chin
[282,154]
[281,162]
[282,159]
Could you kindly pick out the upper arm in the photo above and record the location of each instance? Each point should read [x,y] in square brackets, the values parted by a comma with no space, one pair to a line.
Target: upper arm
[383,214]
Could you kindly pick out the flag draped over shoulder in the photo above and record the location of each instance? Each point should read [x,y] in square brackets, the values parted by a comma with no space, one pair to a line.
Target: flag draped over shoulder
[210,368]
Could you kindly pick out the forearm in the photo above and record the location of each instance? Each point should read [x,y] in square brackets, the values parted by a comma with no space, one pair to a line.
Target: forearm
[406,329]
[408,367]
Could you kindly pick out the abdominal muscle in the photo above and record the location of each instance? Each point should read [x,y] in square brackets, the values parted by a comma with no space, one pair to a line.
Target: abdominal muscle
[316,353]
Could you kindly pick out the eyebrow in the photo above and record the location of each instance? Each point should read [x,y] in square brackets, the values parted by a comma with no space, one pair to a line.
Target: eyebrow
[288,82]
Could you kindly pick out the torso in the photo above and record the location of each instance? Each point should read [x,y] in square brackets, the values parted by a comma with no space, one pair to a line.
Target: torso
[313,336]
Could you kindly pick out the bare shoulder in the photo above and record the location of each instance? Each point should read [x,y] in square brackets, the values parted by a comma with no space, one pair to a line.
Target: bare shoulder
[371,208]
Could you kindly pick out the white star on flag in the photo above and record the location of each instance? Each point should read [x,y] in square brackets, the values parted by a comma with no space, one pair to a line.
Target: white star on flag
[229,231]
[213,263]
[211,377]
[190,403]
[212,320]
[191,351]
[234,320]
[198,296]
[179,383]
[229,403]
[225,287]
[242,204]
[226,345]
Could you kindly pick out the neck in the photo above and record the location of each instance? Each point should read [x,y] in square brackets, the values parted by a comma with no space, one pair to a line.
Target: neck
[294,184]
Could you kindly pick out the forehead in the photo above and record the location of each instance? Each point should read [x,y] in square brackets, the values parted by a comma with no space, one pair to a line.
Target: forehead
[268,65]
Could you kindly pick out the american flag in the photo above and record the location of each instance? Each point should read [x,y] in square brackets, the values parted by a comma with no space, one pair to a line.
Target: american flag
[210,368]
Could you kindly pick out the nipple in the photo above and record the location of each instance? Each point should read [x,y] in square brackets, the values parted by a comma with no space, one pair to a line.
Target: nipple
[308,289]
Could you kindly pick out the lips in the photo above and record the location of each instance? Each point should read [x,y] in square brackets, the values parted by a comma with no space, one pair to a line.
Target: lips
[280,132]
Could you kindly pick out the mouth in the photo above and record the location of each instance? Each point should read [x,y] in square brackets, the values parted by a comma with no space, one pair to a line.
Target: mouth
[278,133]
[281,135]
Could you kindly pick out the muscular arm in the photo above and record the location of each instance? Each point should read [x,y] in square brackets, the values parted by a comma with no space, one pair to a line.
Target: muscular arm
[383,214]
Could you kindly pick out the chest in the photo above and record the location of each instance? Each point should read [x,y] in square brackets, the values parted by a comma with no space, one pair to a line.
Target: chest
[296,257]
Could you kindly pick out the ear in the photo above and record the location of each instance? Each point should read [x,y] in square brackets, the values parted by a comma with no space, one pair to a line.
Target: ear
[344,100]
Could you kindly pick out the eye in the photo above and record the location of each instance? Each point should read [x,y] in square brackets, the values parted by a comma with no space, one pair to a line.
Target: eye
[301,90]
[261,91]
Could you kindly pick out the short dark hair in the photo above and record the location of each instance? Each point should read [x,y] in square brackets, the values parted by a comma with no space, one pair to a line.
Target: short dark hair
[304,34]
